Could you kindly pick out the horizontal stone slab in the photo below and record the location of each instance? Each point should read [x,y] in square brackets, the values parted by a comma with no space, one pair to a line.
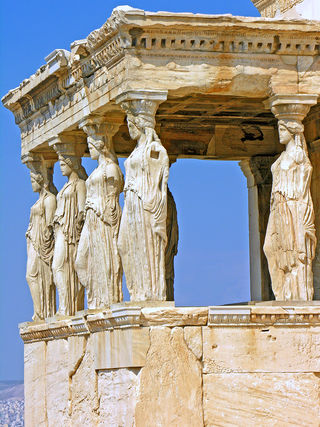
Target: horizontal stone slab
[261,400]
[261,349]
[121,348]
[123,316]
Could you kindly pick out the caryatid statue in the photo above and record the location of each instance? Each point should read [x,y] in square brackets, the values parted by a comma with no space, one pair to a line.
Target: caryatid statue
[68,223]
[98,261]
[290,241]
[143,229]
[40,238]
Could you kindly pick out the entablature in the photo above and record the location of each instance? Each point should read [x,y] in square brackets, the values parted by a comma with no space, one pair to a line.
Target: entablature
[217,69]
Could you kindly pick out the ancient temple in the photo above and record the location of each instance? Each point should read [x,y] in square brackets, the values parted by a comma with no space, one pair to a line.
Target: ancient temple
[154,88]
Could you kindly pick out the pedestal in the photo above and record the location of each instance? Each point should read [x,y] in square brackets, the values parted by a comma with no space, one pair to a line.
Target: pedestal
[175,366]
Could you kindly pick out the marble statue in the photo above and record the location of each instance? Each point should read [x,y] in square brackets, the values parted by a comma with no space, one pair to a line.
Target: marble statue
[290,239]
[143,229]
[40,241]
[68,222]
[172,244]
[98,263]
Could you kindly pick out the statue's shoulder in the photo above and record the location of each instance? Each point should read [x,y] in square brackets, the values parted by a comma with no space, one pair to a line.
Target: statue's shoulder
[49,200]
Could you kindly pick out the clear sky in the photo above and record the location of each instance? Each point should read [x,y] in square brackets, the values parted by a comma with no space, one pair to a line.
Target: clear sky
[212,266]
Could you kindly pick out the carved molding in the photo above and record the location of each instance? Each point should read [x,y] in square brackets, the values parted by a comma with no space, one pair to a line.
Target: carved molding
[264,315]
[134,317]
[269,8]
[291,106]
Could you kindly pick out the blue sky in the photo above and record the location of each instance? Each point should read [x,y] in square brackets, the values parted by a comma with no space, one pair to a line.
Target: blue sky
[212,266]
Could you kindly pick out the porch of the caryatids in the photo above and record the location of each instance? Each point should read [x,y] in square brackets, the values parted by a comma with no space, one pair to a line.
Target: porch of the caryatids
[290,242]
[68,222]
[40,236]
[143,230]
[98,263]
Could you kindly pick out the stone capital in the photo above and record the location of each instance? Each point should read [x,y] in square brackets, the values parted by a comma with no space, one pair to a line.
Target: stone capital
[142,103]
[291,107]
[68,144]
[98,127]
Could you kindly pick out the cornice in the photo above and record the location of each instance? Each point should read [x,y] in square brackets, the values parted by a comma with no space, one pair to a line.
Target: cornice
[89,322]
[269,8]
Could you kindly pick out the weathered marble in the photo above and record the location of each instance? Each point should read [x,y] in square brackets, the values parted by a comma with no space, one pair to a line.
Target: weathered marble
[57,383]
[68,222]
[143,229]
[252,399]
[292,9]
[154,86]
[98,263]
[171,379]
[290,241]
[118,393]
[244,366]
[35,396]
[40,238]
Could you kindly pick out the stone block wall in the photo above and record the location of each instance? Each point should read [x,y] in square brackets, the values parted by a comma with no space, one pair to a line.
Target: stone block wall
[177,367]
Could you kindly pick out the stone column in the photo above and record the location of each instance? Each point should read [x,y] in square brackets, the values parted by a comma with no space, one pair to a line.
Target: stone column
[39,235]
[259,180]
[290,242]
[143,230]
[98,263]
[68,222]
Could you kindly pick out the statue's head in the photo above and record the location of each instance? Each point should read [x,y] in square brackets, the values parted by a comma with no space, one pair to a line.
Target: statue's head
[41,173]
[69,164]
[37,181]
[289,129]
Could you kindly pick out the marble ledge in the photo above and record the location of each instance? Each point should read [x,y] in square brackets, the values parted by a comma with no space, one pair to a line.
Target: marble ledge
[130,316]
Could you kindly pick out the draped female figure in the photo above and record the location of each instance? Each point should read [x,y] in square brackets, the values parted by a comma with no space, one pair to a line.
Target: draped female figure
[290,239]
[98,261]
[143,235]
[68,222]
[40,243]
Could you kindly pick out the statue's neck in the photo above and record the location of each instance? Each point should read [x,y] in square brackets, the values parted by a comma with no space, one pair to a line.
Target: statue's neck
[73,177]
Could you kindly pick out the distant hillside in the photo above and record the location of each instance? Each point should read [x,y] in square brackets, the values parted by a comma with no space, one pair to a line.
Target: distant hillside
[11,390]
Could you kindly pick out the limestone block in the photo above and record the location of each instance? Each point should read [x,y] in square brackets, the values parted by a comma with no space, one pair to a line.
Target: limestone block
[83,383]
[174,316]
[35,384]
[283,399]
[315,185]
[118,389]
[57,383]
[269,349]
[121,348]
[193,338]
[170,383]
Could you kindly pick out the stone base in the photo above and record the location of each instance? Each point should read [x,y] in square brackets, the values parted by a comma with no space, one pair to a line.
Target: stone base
[175,366]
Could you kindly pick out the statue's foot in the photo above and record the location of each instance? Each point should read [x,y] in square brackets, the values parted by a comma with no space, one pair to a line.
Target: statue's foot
[36,318]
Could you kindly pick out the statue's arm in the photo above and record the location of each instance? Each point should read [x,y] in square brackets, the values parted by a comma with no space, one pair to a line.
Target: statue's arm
[50,205]
[82,192]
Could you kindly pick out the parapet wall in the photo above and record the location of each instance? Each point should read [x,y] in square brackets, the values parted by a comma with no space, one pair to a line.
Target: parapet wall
[167,366]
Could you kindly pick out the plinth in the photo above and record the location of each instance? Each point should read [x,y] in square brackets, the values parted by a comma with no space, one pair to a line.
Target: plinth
[175,366]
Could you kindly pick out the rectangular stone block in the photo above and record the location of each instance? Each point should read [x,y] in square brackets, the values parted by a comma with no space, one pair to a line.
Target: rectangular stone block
[261,349]
[57,383]
[118,394]
[35,384]
[260,399]
[121,348]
